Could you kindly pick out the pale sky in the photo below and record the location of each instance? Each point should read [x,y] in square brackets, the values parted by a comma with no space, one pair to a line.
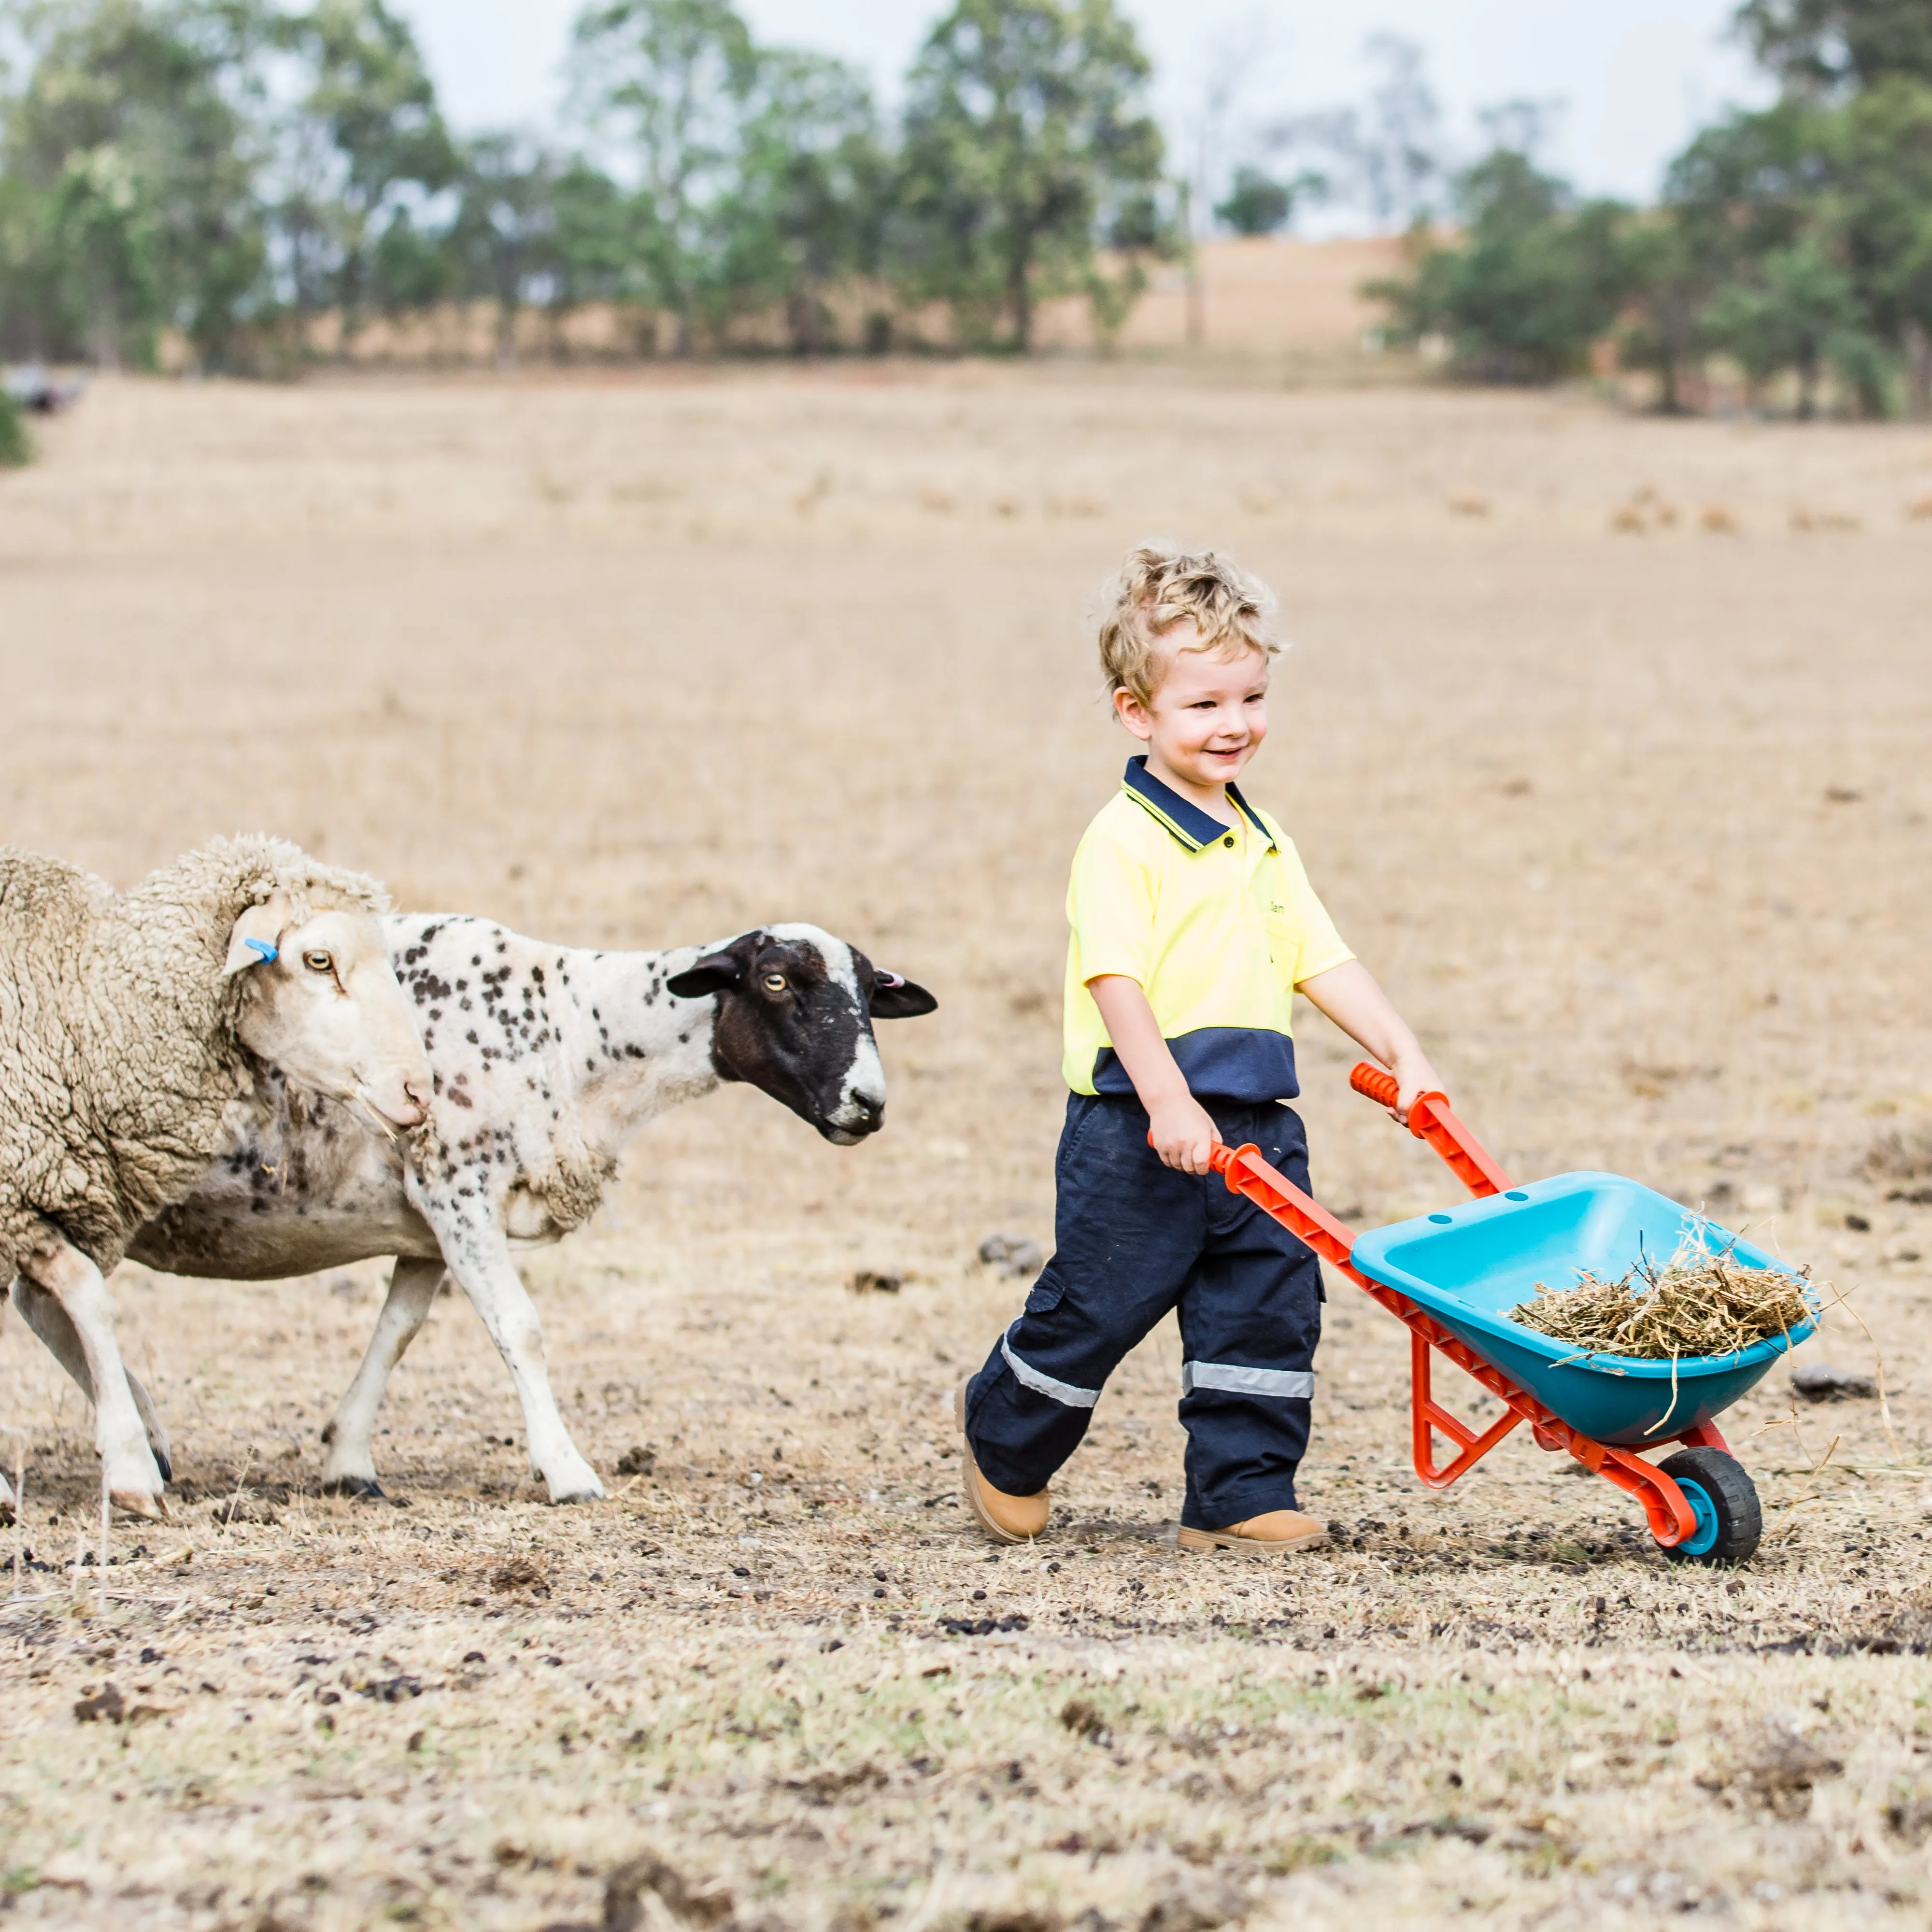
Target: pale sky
[1634,78]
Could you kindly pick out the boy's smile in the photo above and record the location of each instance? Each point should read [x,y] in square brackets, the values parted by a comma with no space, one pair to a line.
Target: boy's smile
[1208,719]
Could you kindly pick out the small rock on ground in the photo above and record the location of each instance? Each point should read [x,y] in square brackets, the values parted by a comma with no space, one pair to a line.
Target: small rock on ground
[1819,1381]
[1015,1255]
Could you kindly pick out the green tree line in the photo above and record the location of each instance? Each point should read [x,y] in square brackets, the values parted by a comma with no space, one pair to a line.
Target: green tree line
[225,174]
[1792,245]
[254,183]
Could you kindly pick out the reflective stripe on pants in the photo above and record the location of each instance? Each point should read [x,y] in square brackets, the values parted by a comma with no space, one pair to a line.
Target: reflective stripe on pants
[1293,1385]
[1062,1393]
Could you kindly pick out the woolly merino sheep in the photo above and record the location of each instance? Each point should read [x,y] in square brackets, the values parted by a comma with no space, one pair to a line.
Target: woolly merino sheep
[131,1024]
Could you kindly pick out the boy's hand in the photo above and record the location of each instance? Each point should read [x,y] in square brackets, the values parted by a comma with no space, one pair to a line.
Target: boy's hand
[1182,1134]
[1179,1129]
[1413,1076]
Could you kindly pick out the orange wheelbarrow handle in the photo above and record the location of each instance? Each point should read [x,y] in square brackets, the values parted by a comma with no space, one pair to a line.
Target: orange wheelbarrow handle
[1430,1120]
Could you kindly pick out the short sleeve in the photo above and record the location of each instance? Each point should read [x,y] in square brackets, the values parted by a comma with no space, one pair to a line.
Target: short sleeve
[1110,901]
[1315,946]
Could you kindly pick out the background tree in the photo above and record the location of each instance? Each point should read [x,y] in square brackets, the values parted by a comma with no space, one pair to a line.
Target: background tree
[504,234]
[1799,310]
[1536,278]
[672,80]
[1257,203]
[594,252]
[362,145]
[1836,43]
[415,264]
[129,204]
[807,210]
[1779,248]
[1741,192]
[1842,277]
[1882,182]
[1026,145]
[15,447]
[26,270]
[1670,283]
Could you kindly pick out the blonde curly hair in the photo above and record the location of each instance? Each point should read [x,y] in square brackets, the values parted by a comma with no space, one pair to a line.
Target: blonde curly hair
[1160,586]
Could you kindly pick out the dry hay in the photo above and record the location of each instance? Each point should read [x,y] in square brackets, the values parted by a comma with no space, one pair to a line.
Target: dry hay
[1701,1302]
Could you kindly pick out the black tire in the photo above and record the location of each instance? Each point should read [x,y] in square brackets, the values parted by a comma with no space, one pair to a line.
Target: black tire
[1731,1496]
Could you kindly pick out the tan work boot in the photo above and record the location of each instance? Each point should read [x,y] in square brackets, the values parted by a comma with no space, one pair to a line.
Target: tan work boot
[1006,1519]
[1279,1529]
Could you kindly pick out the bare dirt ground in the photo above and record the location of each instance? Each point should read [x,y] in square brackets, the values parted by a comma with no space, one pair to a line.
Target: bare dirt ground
[1605,739]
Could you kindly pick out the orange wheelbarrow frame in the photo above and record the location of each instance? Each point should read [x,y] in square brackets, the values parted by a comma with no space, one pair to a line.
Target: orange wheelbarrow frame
[1430,1119]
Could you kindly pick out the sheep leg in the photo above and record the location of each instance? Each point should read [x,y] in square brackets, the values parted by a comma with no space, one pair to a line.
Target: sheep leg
[8,1500]
[132,1479]
[480,1260]
[349,1469]
[48,1320]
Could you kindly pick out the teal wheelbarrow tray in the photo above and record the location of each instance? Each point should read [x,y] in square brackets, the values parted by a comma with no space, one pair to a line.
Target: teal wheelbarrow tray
[1452,1277]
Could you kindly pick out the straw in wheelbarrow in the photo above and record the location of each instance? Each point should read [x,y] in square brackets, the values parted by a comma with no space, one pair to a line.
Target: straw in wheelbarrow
[1701,1302]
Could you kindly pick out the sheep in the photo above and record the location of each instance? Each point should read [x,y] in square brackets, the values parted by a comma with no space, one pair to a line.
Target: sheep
[131,1026]
[547,1060]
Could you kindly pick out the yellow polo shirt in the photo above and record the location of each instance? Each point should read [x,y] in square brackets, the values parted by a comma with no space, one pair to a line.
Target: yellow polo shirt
[1219,926]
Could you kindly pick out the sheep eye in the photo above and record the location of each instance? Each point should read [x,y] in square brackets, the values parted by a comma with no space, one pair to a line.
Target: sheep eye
[319,962]
[774,982]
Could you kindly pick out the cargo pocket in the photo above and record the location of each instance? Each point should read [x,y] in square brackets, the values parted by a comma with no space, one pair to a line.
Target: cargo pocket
[1045,1294]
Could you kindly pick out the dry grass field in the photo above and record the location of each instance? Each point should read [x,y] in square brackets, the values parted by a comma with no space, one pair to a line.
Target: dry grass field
[1605,739]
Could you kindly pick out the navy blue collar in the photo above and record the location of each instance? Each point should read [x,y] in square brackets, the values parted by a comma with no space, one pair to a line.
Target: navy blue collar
[1186,821]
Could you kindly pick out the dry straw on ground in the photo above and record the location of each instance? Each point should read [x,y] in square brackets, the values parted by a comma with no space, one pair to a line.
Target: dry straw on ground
[1703,1301]
[647,659]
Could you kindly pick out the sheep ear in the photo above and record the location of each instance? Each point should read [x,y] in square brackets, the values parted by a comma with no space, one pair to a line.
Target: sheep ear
[712,974]
[897,998]
[257,936]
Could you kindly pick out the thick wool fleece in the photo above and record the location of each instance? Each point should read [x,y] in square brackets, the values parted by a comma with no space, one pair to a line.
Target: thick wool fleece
[119,1055]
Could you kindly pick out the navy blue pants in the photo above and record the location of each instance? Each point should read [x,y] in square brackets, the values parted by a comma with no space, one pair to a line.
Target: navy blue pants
[1133,1239]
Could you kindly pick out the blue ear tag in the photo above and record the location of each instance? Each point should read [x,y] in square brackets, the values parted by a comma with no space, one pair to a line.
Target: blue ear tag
[270,954]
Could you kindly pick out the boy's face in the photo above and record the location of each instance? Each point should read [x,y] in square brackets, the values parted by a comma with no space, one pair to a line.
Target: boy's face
[1209,713]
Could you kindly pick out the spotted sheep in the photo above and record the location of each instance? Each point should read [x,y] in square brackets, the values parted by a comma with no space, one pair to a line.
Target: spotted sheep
[547,1060]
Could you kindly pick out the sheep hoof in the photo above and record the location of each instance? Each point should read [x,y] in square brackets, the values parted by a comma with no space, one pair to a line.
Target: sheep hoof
[593,1491]
[161,1462]
[362,1489]
[139,1502]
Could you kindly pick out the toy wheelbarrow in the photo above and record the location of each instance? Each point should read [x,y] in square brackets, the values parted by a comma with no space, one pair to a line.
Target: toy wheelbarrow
[1452,1277]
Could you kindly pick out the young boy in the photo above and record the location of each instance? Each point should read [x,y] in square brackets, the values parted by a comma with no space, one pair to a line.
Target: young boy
[1194,926]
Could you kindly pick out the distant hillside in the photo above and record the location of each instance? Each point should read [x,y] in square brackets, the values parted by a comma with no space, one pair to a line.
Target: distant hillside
[1257,297]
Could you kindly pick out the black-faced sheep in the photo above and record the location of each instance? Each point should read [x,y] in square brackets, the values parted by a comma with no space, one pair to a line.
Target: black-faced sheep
[547,1060]
[131,1025]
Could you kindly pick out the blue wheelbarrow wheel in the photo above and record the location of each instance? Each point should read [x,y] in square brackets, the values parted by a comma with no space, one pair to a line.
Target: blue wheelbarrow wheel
[1724,1501]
